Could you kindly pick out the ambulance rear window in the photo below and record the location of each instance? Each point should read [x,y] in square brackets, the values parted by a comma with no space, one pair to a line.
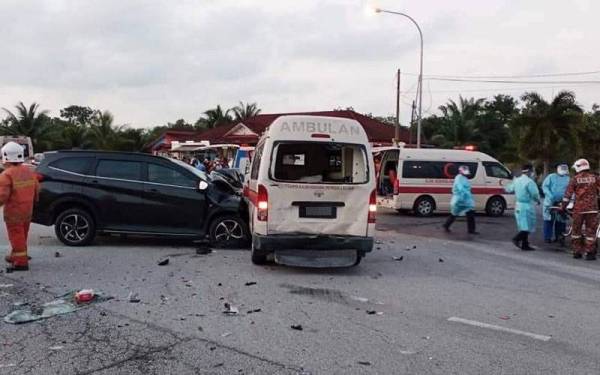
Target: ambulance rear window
[320,162]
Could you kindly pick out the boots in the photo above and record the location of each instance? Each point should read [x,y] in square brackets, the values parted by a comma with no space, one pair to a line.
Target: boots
[525,244]
[449,222]
[590,256]
[518,239]
[471,222]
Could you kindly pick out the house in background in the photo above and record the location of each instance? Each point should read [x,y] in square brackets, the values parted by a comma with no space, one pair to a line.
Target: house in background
[248,132]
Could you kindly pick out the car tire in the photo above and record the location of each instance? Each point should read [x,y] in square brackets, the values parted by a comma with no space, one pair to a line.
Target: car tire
[357,262]
[228,231]
[495,207]
[75,227]
[259,259]
[424,207]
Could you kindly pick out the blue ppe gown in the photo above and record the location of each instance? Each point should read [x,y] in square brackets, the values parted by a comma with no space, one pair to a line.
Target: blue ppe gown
[526,196]
[554,188]
[462,198]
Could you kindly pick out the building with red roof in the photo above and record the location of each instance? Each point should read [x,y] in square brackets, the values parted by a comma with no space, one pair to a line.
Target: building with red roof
[247,132]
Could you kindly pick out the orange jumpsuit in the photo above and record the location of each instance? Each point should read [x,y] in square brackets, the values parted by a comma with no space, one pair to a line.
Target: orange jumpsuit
[19,190]
[585,186]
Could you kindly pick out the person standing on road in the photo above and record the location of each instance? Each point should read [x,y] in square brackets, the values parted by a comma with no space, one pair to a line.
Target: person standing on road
[526,194]
[462,202]
[19,189]
[584,185]
[554,187]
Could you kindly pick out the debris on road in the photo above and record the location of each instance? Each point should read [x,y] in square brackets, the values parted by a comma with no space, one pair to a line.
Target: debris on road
[163,262]
[230,309]
[504,317]
[254,311]
[62,305]
[297,327]
[374,312]
[398,259]
[226,334]
[250,283]
[57,347]
[203,250]
[364,363]
[57,254]
[133,298]
[7,365]
[84,296]
[440,260]
[360,299]
[2,286]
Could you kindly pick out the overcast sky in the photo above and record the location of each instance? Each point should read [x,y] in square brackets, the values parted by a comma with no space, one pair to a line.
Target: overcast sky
[151,61]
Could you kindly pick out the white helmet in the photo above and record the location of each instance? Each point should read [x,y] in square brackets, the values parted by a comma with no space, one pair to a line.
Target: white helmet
[12,152]
[581,165]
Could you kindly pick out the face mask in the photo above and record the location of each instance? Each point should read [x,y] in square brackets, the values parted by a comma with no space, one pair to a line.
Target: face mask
[562,171]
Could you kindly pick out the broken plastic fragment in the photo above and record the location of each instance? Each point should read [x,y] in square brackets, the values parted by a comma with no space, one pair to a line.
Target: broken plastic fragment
[440,260]
[57,254]
[230,310]
[133,298]
[163,262]
[399,259]
[364,363]
[297,327]
[250,283]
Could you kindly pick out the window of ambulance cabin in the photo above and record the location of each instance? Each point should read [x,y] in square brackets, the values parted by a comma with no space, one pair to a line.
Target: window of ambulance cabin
[119,169]
[320,162]
[497,170]
[74,165]
[437,170]
[256,161]
[159,174]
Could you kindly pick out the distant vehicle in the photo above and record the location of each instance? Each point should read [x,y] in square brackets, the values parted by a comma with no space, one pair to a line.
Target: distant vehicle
[84,192]
[242,158]
[420,180]
[311,193]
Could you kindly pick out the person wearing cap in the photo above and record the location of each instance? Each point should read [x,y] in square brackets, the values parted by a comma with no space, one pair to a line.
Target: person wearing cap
[554,187]
[584,186]
[526,194]
[19,190]
[462,202]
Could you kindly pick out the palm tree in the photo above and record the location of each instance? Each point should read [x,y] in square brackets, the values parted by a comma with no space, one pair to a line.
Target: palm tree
[133,139]
[547,128]
[243,111]
[461,119]
[216,117]
[29,122]
[102,134]
[74,136]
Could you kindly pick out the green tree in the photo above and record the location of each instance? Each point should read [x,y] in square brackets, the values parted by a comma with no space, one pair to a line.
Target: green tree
[103,135]
[492,131]
[590,137]
[214,117]
[30,122]
[76,114]
[547,128]
[245,111]
[131,139]
[461,119]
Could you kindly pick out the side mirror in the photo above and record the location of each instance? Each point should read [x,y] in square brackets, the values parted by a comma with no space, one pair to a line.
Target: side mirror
[202,185]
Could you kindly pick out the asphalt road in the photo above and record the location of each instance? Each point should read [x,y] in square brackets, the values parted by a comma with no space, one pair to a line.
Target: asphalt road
[453,305]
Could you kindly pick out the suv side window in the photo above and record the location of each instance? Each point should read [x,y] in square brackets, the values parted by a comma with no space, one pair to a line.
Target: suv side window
[120,169]
[256,161]
[79,165]
[497,170]
[168,176]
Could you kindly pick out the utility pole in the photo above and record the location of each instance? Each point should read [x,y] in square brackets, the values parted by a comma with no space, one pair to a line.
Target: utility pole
[397,130]
[412,122]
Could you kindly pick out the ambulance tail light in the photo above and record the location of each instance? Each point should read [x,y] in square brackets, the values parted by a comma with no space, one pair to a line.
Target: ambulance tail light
[372,207]
[262,203]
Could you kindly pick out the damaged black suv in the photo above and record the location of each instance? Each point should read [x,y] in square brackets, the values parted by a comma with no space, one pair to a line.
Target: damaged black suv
[89,192]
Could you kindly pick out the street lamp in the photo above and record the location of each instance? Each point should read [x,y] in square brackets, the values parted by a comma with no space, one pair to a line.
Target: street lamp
[420,85]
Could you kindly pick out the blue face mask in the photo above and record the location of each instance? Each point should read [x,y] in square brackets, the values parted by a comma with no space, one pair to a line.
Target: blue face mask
[562,170]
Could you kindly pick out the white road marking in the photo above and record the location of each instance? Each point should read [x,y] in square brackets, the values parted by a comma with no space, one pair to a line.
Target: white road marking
[499,328]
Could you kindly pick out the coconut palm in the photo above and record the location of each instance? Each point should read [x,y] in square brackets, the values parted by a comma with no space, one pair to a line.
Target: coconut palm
[28,121]
[461,119]
[547,129]
[102,133]
[245,111]
[216,117]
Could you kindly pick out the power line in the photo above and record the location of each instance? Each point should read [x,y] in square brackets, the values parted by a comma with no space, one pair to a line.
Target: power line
[493,90]
[517,82]
[506,76]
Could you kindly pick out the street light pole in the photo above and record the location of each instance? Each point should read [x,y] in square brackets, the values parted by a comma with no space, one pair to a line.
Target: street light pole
[420,84]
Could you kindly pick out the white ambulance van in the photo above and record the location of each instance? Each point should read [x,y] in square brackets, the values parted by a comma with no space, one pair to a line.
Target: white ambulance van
[420,180]
[311,193]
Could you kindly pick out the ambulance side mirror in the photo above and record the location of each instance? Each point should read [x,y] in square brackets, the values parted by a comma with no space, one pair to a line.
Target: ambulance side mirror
[202,185]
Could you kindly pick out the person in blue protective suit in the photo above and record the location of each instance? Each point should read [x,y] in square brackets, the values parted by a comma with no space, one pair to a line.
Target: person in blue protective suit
[462,202]
[527,195]
[554,187]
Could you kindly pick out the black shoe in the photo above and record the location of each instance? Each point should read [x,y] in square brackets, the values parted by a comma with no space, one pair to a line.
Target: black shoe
[447,228]
[516,242]
[590,256]
[526,247]
[11,268]
[474,232]
[577,255]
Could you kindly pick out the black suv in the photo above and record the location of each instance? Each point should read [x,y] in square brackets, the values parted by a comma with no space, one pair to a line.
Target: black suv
[84,192]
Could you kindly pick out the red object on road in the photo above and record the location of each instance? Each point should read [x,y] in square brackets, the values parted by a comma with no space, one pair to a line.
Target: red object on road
[84,296]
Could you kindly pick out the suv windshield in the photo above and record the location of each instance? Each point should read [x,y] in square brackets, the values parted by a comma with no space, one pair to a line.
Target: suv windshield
[319,162]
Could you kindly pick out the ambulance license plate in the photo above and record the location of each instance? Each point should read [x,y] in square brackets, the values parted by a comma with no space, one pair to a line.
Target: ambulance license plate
[318,212]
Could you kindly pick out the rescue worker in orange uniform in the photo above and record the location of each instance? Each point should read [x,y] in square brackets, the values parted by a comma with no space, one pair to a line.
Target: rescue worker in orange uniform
[585,186]
[19,189]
